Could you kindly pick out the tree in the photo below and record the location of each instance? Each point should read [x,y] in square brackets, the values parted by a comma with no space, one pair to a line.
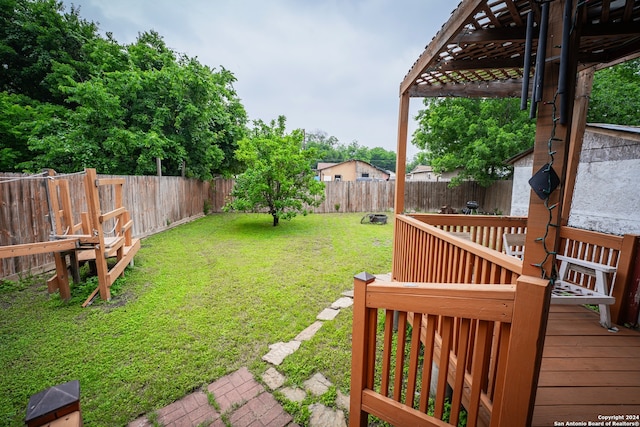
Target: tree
[382,158]
[330,150]
[70,99]
[278,176]
[615,96]
[155,105]
[474,136]
[327,147]
[34,36]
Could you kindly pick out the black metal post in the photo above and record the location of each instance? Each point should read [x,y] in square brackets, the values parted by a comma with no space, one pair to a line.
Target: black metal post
[527,62]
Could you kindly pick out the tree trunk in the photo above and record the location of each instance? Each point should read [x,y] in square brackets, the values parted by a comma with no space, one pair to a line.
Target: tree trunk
[275,220]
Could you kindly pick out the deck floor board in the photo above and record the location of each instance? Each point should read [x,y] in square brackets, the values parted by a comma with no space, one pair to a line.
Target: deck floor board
[587,372]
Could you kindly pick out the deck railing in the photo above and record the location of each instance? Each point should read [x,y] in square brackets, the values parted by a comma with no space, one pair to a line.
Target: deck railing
[466,319]
[486,230]
[428,247]
[470,337]
[425,252]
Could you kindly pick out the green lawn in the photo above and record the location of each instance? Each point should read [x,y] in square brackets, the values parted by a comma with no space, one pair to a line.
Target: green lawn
[203,300]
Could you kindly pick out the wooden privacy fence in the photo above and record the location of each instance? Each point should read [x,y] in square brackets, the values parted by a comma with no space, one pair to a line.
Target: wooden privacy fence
[158,203]
[155,203]
[420,196]
[379,196]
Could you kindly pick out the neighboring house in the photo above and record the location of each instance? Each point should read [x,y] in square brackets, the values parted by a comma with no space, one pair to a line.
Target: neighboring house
[606,195]
[426,173]
[422,173]
[351,170]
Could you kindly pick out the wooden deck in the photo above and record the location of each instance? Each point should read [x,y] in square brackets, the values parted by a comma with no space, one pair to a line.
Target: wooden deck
[586,370]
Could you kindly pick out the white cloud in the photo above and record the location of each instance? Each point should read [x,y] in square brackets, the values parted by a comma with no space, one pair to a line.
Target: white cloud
[331,65]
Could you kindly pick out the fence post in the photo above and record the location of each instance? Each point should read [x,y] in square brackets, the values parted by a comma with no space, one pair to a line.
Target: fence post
[360,343]
[516,387]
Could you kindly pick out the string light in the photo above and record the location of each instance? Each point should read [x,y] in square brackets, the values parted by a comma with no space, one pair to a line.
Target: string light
[549,253]
[551,153]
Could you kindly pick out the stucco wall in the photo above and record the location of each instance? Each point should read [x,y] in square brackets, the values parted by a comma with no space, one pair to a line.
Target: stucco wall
[520,192]
[607,190]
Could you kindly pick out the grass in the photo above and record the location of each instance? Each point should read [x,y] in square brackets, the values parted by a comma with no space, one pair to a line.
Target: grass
[203,300]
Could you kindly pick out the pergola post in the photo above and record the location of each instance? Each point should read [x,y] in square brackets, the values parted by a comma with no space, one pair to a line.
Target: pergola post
[581,105]
[551,146]
[401,158]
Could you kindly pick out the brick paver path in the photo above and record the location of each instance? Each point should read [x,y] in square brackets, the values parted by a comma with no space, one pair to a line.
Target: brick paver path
[242,401]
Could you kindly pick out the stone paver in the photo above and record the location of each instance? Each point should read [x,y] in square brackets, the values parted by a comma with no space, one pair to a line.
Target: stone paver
[191,410]
[318,384]
[140,422]
[235,389]
[384,276]
[273,379]
[342,401]
[262,410]
[343,302]
[279,351]
[321,416]
[308,333]
[348,293]
[294,394]
[328,314]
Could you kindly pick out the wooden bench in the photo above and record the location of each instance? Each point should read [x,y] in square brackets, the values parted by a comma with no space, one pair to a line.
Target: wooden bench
[566,292]
[513,244]
[572,270]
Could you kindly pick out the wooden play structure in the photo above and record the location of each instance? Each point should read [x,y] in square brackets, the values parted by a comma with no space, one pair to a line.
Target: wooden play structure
[73,242]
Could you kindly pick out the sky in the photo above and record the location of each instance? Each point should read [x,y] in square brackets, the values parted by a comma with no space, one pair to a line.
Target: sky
[332,66]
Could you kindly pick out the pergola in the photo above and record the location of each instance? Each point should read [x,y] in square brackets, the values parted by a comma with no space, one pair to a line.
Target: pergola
[542,51]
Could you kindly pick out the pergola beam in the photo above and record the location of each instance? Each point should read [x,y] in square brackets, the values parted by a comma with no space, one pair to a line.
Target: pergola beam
[623,51]
[495,89]
[518,34]
[482,64]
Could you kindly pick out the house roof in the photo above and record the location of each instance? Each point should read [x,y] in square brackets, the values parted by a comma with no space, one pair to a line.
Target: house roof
[618,128]
[480,51]
[520,155]
[610,127]
[329,165]
[422,169]
[324,165]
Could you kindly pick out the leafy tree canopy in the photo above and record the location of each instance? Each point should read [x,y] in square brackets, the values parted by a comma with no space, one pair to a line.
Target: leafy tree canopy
[330,150]
[35,35]
[474,136]
[278,178]
[615,96]
[72,99]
